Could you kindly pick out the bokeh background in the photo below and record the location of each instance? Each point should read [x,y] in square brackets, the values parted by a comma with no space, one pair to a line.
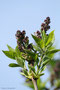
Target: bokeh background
[24,15]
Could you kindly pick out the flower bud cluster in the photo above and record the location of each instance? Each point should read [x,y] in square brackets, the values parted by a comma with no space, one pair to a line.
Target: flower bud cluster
[23,43]
[38,34]
[21,39]
[45,26]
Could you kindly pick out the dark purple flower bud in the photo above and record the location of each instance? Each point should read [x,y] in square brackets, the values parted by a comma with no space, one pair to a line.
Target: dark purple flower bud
[17,35]
[29,46]
[48,18]
[38,33]
[26,37]
[20,48]
[24,40]
[45,28]
[18,42]
[43,24]
[23,32]
[48,27]
[47,22]
[18,32]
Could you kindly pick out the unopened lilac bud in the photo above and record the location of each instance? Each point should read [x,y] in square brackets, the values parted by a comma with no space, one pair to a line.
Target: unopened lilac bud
[23,32]
[26,37]
[38,33]
[18,32]
[29,46]
[45,28]
[46,21]
[43,24]
[48,18]
[18,42]
[48,27]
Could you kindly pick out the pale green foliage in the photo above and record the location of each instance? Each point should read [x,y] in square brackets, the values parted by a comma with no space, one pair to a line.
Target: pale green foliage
[10,48]
[13,65]
[41,55]
[10,54]
[20,61]
[50,38]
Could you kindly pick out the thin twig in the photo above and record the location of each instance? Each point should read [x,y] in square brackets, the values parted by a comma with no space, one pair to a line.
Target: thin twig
[35,83]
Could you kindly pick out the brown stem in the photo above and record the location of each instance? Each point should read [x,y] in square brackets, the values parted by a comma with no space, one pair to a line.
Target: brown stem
[35,84]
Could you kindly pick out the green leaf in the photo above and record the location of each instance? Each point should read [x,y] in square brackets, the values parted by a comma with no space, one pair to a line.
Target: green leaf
[10,48]
[30,77]
[10,54]
[57,84]
[39,41]
[22,73]
[32,68]
[25,72]
[13,65]
[39,82]
[43,68]
[53,51]
[18,51]
[20,61]
[45,62]
[34,75]
[36,47]
[44,37]
[45,58]
[52,63]
[50,38]
[41,74]
[44,65]
[36,63]
[49,46]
